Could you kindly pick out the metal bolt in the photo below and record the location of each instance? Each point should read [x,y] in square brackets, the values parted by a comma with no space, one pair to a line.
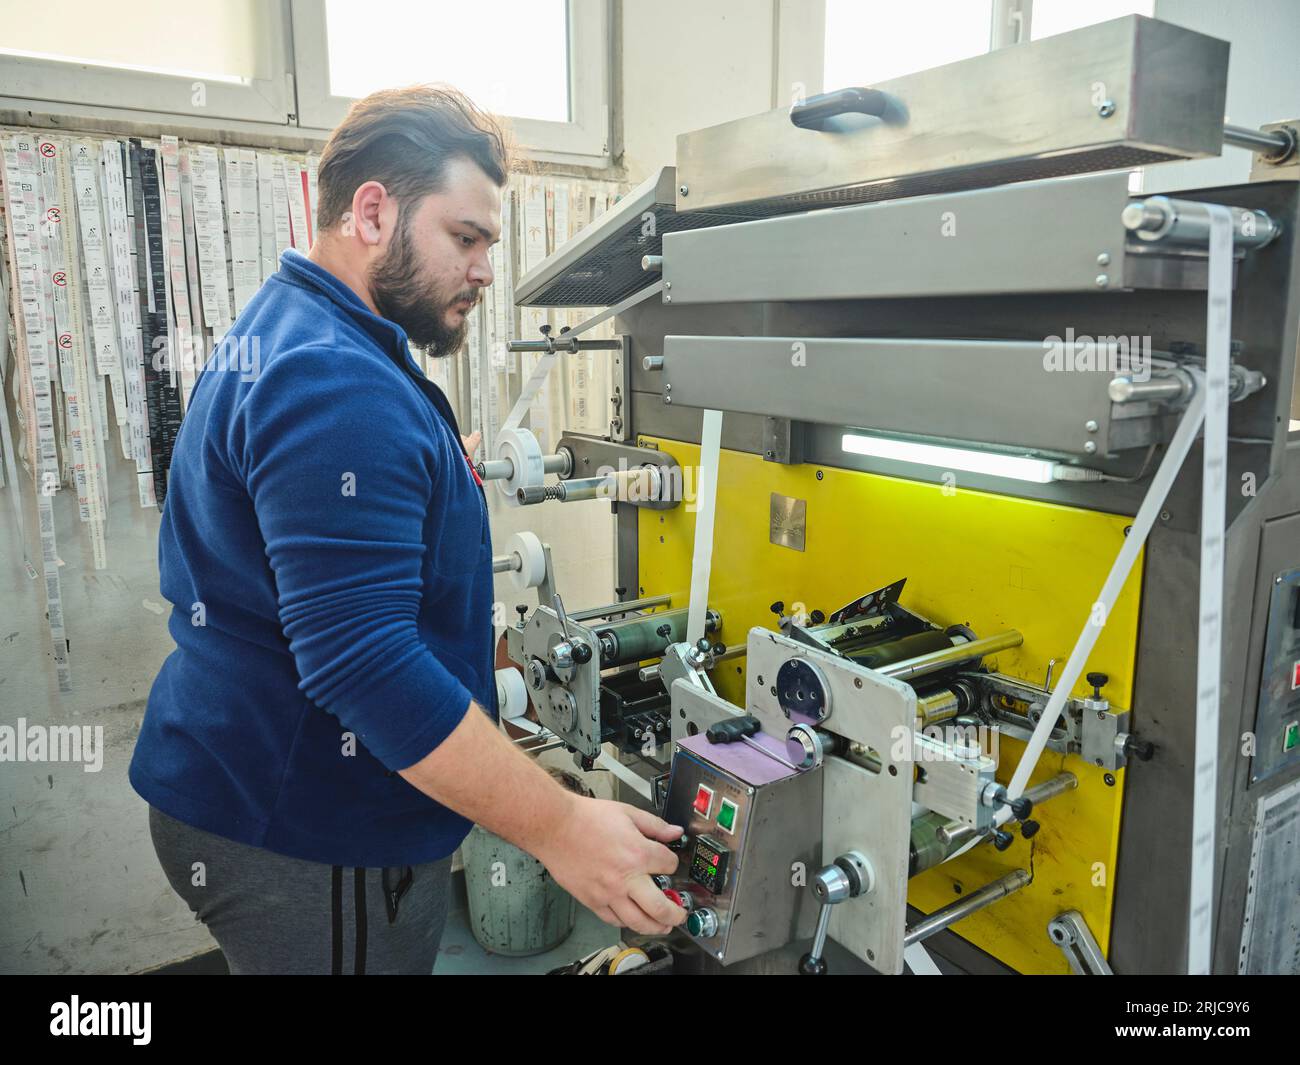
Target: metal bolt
[857,682]
[1090,447]
[1090,425]
[668,399]
[684,190]
[669,386]
[1103,280]
[1103,259]
[1109,778]
[668,284]
[668,299]
[1106,109]
[1164,515]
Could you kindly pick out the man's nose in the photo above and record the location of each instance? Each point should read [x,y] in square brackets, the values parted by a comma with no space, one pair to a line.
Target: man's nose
[480,272]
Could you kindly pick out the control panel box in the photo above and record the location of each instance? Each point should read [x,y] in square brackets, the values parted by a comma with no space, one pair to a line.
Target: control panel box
[1277,719]
[753,842]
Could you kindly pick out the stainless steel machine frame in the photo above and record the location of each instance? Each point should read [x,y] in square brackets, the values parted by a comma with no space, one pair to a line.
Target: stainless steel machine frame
[860,305]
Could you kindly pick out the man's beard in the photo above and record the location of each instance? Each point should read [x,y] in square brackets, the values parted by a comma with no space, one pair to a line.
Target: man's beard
[402,295]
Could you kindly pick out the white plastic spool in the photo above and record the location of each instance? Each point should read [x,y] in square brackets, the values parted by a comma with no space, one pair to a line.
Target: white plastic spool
[532,560]
[520,448]
[512,695]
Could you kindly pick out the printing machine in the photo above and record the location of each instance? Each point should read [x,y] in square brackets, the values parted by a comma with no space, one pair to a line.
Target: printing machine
[835,715]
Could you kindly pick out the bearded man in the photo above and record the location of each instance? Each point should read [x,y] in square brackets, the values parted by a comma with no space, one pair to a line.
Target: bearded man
[324,734]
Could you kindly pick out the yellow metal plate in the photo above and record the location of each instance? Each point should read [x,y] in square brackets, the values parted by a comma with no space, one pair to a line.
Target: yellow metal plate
[989,561]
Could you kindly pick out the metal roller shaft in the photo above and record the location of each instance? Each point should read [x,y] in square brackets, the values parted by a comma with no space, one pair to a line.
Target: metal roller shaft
[926,664]
[977,900]
[636,639]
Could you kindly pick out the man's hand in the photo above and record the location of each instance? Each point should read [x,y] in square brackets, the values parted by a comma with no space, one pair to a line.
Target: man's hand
[472,442]
[603,853]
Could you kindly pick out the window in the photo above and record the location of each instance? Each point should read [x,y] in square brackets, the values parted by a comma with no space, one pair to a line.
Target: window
[1050,17]
[548,75]
[527,77]
[222,61]
[867,43]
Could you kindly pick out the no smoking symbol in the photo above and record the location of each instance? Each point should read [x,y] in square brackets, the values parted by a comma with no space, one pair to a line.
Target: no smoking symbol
[47,149]
[60,279]
[54,215]
[65,340]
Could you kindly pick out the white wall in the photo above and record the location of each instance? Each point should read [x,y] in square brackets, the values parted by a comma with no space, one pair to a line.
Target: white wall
[1263,78]
[688,65]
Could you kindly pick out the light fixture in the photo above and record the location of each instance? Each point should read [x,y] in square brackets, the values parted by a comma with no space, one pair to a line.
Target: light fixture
[1016,467]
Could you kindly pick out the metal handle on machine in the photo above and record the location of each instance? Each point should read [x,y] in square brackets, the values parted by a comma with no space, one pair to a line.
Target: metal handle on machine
[849,876]
[814,111]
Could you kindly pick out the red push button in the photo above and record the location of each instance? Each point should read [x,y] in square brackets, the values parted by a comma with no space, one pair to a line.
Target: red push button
[703,801]
[1295,676]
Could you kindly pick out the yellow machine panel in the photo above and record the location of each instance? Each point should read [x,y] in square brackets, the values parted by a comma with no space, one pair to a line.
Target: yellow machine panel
[988,561]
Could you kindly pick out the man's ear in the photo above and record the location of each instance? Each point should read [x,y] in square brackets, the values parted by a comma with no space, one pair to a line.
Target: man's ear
[368,213]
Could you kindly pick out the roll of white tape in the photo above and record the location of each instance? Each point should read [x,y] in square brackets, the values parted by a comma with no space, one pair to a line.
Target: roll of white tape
[532,560]
[512,696]
[520,448]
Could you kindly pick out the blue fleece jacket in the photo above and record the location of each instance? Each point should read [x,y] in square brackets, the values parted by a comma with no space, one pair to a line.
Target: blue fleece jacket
[325,547]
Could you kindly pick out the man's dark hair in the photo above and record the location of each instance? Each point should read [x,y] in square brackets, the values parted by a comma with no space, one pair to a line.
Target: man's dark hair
[404,138]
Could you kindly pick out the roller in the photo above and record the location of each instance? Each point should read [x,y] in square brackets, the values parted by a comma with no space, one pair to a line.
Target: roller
[531,568]
[512,695]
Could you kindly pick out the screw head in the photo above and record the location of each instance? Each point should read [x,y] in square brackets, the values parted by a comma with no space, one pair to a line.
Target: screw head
[1164,515]
[668,284]
[1103,280]
[1090,447]
[1106,109]
[1091,425]
[1103,259]
[668,399]
[1109,778]
[668,299]
[683,190]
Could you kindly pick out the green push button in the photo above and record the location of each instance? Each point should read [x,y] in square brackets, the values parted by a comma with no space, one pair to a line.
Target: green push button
[1290,737]
[727,815]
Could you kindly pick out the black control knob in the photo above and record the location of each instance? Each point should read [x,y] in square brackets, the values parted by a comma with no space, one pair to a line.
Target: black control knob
[522,610]
[777,608]
[810,966]
[702,645]
[620,591]
[719,649]
[1029,829]
[1139,748]
[664,631]
[1002,840]
[1020,807]
[816,617]
[581,653]
[1098,681]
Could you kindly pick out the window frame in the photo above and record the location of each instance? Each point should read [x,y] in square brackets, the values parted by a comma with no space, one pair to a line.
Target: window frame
[584,140]
[76,85]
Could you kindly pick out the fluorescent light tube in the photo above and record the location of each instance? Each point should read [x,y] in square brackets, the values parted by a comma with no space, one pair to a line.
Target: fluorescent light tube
[1017,467]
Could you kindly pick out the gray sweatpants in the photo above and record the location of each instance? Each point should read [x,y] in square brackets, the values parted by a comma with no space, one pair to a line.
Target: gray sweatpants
[274,914]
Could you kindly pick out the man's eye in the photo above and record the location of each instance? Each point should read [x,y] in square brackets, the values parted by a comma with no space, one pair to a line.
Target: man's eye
[468,242]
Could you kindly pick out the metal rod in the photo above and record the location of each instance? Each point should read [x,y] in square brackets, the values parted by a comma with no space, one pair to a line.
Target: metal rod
[1160,387]
[922,665]
[1275,145]
[956,833]
[978,900]
[506,563]
[620,608]
[503,469]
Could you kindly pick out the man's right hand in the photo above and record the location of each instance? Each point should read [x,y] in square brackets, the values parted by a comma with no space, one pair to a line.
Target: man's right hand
[603,853]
